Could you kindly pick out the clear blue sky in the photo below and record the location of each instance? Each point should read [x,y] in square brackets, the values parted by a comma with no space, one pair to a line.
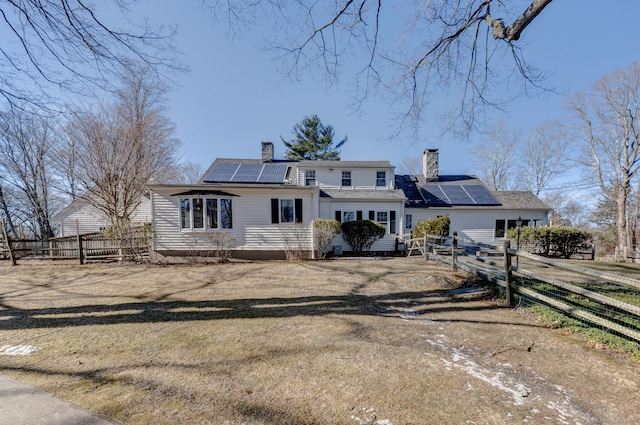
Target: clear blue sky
[233,97]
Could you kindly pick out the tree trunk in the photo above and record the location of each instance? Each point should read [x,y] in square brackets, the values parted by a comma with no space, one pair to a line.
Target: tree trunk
[622,249]
[3,205]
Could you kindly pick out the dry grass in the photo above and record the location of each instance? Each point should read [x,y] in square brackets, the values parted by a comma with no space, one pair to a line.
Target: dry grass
[334,342]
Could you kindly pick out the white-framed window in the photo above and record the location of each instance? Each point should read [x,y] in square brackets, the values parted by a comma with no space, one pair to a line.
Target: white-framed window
[381,178]
[408,221]
[346,178]
[286,210]
[382,217]
[309,177]
[348,216]
[206,213]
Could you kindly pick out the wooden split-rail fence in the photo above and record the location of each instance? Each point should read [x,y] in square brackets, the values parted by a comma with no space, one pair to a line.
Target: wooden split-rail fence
[606,300]
[80,247]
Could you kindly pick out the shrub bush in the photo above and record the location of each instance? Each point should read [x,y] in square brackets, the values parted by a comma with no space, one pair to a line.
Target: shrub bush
[434,226]
[558,241]
[361,234]
[326,231]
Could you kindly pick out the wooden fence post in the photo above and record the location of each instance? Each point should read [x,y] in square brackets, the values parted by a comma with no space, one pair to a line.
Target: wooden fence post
[79,241]
[454,251]
[425,254]
[508,276]
[7,239]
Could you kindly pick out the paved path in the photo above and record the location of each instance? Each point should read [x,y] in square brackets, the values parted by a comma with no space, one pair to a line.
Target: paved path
[21,404]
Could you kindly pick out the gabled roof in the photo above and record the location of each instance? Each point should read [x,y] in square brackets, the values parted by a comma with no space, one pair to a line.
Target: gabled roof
[517,199]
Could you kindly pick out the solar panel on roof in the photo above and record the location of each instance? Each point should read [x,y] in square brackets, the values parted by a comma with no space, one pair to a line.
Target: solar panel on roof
[480,195]
[457,195]
[433,195]
[222,173]
[273,173]
[247,173]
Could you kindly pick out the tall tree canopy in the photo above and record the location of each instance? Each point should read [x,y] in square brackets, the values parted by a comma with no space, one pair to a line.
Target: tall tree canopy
[122,147]
[608,124]
[409,49]
[27,143]
[66,44]
[313,140]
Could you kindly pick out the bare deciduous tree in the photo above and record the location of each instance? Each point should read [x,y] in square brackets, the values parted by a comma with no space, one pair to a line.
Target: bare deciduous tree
[68,44]
[411,165]
[444,43]
[190,172]
[26,142]
[609,135]
[544,156]
[123,147]
[494,157]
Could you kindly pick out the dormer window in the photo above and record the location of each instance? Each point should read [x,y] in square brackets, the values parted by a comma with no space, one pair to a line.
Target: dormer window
[346,178]
[381,178]
[310,177]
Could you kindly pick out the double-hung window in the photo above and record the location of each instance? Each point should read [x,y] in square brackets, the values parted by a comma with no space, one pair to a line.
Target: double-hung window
[348,216]
[346,178]
[382,217]
[286,210]
[206,213]
[381,178]
[310,177]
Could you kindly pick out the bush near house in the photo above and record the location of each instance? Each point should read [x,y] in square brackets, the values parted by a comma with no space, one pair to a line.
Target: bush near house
[361,234]
[556,241]
[326,231]
[434,226]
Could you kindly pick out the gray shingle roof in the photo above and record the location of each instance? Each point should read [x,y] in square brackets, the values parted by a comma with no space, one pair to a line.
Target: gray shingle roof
[363,194]
[520,199]
[344,164]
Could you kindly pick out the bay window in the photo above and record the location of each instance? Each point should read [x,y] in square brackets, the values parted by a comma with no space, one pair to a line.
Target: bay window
[206,213]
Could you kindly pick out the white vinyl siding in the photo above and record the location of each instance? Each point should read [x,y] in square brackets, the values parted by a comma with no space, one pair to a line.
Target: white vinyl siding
[329,208]
[252,226]
[475,224]
[89,219]
[361,178]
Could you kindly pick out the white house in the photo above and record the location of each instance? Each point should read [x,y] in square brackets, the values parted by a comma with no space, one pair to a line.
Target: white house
[260,203]
[475,212]
[81,216]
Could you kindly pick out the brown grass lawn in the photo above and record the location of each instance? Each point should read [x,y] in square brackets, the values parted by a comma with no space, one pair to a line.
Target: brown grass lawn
[355,342]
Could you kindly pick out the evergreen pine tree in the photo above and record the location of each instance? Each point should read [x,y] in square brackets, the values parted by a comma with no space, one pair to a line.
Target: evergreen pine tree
[313,141]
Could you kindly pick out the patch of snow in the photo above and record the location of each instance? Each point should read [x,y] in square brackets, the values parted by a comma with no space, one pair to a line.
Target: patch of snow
[369,417]
[499,379]
[17,350]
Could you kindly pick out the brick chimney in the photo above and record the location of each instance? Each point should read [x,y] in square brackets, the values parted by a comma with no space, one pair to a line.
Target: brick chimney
[267,151]
[430,169]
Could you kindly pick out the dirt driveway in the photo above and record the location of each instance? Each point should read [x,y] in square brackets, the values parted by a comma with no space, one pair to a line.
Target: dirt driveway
[386,342]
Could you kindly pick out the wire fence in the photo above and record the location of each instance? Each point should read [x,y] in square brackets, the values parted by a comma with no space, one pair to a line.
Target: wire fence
[605,299]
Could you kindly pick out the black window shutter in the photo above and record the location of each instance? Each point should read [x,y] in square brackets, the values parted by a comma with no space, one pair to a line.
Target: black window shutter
[358,215]
[298,208]
[392,222]
[372,215]
[339,216]
[275,210]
